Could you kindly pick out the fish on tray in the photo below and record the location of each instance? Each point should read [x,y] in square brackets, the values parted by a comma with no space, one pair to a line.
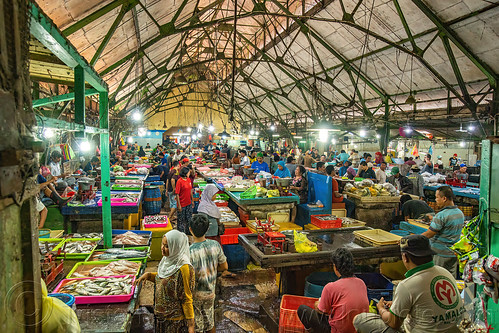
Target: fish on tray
[129,238]
[120,267]
[46,247]
[78,247]
[98,287]
[120,254]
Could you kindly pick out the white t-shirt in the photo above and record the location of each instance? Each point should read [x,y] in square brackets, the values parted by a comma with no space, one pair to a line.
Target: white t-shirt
[429,300]
[245,161]
[55,169]
[381,176]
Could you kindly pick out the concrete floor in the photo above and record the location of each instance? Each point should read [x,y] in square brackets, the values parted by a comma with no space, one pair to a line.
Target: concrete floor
[240,300]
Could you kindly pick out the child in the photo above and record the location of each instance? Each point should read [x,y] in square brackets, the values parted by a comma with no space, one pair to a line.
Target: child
[185,202]
[207,258]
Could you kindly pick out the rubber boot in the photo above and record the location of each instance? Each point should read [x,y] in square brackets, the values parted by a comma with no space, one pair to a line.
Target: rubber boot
[58,199]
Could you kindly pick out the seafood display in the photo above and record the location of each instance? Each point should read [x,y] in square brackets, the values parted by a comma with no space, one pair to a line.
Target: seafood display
[120,254]
[120,267]
[130,238]
[327,217]
[125,195]
[98,287]
[155,219]
[46,247]
[87,235]
[85,246]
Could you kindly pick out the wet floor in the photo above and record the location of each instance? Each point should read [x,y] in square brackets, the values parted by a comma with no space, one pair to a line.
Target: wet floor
[240,300]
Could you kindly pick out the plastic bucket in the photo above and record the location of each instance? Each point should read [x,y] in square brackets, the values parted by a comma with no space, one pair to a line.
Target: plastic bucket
[315,283]
[44,233]
[152,200]
[68,299]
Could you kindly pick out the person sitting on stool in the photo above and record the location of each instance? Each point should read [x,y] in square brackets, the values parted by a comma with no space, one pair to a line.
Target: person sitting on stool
[337,196]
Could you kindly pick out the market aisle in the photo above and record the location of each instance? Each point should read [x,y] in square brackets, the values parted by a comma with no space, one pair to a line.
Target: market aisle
[238,306]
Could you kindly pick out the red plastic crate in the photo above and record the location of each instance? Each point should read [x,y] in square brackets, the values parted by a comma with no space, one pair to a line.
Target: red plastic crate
[456,183]
[288,317]
[222,203]
[330,224]
[230,236]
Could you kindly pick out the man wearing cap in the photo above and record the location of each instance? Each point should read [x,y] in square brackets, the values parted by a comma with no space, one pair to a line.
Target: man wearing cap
[401,183]
[427,300]
[461,174]
[445,229]
[453,161]
[259,164]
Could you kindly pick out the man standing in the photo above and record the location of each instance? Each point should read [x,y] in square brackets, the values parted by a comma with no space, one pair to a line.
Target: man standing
[308,160]
[401,183]
[343,156]
[171,183]
[445,229]
[453,161]
[381,173]
[290,164]
[427,300]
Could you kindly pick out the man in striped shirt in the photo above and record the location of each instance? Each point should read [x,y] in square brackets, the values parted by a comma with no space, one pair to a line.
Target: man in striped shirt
[445,229]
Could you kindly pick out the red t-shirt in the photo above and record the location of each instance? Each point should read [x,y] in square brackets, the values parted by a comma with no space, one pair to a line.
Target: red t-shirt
[183,189]
[335,189]
[343,300]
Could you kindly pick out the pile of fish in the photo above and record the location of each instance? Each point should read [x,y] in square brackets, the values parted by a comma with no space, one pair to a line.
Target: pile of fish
[120,267]
[78,246]
[121,254]
[98,287]
[87,235]
[155,219]
[46,247]
[129,238]
[327,217]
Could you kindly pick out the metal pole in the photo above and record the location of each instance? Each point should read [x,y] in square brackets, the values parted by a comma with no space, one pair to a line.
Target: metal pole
[105,172]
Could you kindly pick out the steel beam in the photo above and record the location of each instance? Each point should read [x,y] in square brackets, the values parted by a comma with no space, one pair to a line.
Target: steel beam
[105,170]
[444,28]
[61,98]
[43,29]
[79,94]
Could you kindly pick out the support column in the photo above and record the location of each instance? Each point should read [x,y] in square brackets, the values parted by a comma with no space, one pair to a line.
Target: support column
[385,132]
[79,95]
[105,172]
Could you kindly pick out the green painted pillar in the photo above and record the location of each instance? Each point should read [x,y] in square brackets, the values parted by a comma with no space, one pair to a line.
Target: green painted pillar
[105,166]
[79,95]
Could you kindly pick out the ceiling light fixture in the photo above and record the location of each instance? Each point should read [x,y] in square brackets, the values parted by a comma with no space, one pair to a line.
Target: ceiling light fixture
[272,127]
[136,116]
[211,128]
[85,146]
[462,143]
[48,133]
[378,136]
[362,133]
[130,139]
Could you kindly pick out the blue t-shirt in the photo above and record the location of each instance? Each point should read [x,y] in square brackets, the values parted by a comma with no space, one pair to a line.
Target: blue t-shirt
[448,224]
[260,167]
[164,160]
[40,179]
[343,157]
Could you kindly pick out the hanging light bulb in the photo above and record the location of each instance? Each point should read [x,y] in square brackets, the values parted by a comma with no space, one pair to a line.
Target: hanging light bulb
[462,143]
[48,133]
[130,139]
[272,127]
[333,141]
[323,135]
[200,126]
[471,128]
[189,129]
[378,136]
[211,128]
[85,146]
[257,133]
[252,132]
[408,130]
[194,137]
[362,133]
[136,116]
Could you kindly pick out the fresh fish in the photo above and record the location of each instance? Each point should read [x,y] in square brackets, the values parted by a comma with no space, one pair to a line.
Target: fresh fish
[129,238]
[121,254]
[95,287]
[78,246]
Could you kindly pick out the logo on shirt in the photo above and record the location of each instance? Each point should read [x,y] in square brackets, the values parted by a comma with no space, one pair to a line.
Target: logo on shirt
[444,292]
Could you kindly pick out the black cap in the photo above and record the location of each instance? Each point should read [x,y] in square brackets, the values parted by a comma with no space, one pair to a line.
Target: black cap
[417,245]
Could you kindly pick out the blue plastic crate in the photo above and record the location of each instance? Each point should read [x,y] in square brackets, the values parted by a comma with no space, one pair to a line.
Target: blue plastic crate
[402,233]
[377,285]
[237,257]
[152,178]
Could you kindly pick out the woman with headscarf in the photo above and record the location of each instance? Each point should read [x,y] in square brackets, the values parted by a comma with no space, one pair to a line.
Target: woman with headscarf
[209,209]
[141,152]
[282,171]
[173,285]
[378,158]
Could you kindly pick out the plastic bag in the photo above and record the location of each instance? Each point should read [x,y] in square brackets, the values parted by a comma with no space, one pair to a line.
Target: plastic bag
[57,317]
[303,244]
[249,193]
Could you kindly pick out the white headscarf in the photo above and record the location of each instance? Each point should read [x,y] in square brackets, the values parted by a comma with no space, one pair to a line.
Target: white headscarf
[206,205]
[179,254]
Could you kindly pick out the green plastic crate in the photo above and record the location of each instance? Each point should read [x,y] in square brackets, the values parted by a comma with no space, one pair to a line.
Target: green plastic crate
[97,263]
[140,248]
[76,255]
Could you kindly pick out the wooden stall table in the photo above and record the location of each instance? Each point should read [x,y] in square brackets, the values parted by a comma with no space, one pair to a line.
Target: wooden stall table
[377,211]
[294,267]
[74,215]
